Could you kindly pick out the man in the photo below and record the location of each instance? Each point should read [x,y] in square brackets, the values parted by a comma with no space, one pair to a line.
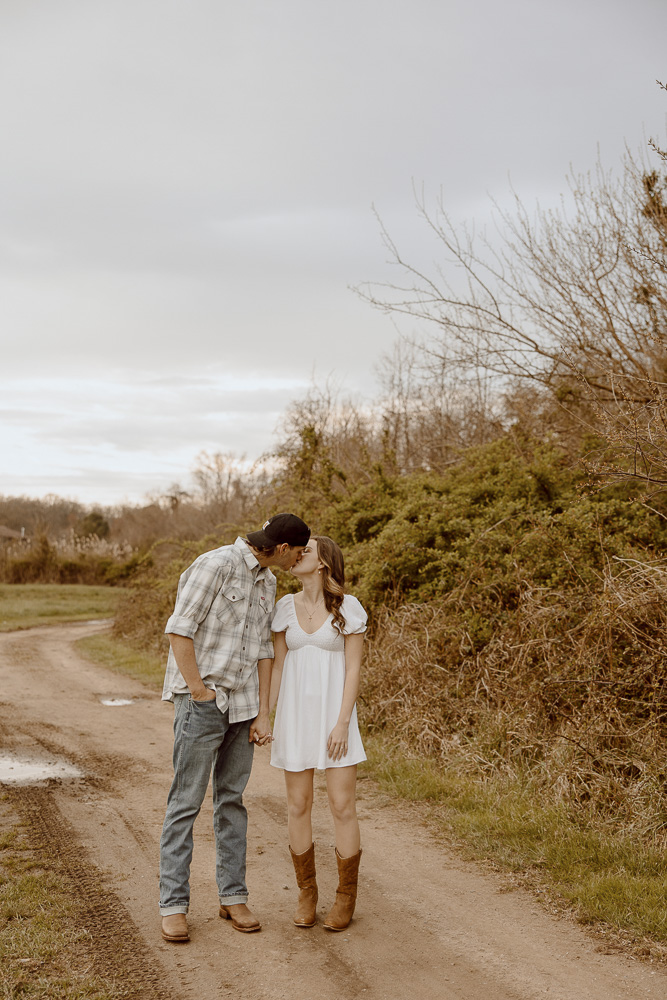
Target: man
[218,676]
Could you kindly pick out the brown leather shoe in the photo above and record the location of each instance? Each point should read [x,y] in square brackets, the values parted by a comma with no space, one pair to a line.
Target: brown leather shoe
[241,917]
[304,868]
[175,928]
[341,912]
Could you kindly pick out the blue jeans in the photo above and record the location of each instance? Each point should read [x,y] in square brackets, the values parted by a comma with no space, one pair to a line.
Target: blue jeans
[205,741]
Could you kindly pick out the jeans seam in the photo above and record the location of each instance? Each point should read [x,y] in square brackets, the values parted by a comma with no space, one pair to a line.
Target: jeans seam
[233,849]
[180,750]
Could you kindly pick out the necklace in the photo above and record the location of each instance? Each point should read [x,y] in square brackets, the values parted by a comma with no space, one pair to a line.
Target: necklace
[305,608]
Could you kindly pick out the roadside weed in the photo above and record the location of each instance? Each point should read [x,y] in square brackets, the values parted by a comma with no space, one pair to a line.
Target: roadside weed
[123,659]
[608,875]
[40,944]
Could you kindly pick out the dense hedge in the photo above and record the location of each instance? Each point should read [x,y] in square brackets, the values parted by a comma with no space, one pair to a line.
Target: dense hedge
[500,517]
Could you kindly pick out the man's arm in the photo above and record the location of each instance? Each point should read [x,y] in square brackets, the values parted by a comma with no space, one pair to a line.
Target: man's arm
[183,649]
[260,729]
[197,590]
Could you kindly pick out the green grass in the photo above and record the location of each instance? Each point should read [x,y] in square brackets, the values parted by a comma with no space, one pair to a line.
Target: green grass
[608,876]
[24,605]
[122,658]
[42,953]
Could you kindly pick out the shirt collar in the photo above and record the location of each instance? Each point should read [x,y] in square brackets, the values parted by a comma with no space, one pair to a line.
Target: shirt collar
[251,561]
[248,557]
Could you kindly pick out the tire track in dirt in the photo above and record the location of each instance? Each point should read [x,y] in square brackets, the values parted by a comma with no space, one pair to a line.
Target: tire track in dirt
[122,957]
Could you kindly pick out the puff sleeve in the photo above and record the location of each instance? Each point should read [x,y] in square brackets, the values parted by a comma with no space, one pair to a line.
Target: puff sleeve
[281,614]
[354,615]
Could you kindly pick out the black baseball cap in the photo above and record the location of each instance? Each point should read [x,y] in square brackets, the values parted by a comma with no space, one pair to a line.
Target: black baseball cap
[278,529]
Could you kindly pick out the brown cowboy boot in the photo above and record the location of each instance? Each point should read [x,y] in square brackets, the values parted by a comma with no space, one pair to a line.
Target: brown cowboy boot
[346,894]
[175,928]
[242,918]
[304,869]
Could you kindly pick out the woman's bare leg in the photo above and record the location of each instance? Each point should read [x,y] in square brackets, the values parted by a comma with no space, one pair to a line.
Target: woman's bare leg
[341,789]
[299,787]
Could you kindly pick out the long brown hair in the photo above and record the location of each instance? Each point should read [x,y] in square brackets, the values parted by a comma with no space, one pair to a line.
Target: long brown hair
[333,577]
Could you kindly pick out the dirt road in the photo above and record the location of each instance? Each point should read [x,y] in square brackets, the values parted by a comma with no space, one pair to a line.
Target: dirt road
[428,925]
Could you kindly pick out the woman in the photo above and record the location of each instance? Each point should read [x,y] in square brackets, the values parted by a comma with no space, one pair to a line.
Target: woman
[318,644]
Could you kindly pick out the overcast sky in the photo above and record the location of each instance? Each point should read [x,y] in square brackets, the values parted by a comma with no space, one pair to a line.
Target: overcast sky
[186,192]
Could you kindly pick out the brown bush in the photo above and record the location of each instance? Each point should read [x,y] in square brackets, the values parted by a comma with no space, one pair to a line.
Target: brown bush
[544,699]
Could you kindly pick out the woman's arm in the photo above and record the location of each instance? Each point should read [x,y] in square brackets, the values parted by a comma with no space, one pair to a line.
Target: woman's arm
[337,744]
[279,654]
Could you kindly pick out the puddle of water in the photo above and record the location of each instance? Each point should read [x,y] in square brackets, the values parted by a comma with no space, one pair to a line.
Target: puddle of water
[94,621]
[27,771]
[116,702]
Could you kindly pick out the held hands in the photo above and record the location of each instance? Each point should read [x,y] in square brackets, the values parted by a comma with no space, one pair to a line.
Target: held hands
[337,744]
[260,730]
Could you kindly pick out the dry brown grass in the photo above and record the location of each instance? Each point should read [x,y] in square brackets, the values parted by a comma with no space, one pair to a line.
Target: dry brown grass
[544,751]
[568,695]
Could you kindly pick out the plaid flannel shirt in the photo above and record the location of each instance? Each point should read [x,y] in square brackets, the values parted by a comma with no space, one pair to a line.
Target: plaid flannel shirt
[224,604]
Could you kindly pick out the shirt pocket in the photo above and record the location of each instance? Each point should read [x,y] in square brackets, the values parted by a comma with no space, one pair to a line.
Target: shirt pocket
[231,604]
[266,606]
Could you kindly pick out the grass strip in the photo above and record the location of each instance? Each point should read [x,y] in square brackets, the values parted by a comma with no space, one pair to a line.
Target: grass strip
[123,659]
[43,956]
[24,605]
[609,876]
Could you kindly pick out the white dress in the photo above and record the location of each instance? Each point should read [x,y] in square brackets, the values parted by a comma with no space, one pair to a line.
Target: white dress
[311,689]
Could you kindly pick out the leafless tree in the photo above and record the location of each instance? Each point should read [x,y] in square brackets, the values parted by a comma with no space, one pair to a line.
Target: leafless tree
[556,311]
[431,413]
[578,287]
[326,443]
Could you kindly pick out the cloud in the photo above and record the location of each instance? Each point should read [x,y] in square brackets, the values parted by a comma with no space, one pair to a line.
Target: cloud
[188,189]
[155,416]
[92,485]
